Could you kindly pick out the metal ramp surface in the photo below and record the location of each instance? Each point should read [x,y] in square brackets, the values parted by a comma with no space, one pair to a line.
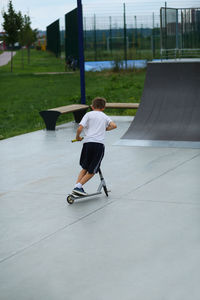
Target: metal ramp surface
[169,113]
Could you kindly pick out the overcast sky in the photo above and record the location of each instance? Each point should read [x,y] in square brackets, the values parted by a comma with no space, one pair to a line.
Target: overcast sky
[43,13]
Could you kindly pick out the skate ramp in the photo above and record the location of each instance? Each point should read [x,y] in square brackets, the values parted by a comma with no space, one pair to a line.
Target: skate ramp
[169,113]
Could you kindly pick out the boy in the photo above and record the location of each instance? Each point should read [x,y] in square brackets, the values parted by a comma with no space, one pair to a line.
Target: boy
[94,123]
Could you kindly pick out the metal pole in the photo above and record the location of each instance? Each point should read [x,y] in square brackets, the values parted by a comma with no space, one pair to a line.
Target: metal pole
[141,38]
[125,38]
[153,37]
[181,46]
[161,29]
[177,43]
[95,39]
[85,38]
[166,39]
[110,34]
[136,35]
[81,51]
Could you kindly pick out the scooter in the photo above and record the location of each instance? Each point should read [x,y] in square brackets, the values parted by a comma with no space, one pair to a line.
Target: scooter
[73,196]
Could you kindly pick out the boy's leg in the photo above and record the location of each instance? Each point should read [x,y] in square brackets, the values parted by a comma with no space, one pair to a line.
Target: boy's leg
[86,178]
[81,175]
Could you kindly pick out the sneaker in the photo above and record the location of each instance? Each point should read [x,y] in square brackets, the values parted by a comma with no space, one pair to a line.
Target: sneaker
[79,191]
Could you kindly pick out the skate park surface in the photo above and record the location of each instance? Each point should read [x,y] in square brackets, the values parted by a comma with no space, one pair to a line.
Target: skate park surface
[140,243]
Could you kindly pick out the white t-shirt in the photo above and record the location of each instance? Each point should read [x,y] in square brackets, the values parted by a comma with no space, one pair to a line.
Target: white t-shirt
[95,123]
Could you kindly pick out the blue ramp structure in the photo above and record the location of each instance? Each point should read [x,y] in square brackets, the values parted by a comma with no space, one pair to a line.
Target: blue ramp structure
[169,112]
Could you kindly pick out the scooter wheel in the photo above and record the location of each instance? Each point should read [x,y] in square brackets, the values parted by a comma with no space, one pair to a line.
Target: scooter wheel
[105,190]
[70,199]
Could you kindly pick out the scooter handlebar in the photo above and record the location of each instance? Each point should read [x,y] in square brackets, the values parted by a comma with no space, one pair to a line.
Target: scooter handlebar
[75,140]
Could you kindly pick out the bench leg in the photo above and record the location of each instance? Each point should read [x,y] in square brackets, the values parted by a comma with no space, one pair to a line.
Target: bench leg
[50,117]
[78,115]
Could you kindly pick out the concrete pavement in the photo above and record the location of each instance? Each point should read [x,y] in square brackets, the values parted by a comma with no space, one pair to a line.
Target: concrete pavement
[140,243]
[5,57]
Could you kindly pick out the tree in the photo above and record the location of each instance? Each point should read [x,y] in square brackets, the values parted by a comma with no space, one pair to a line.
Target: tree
[12,24]
[22,42]
[28,35]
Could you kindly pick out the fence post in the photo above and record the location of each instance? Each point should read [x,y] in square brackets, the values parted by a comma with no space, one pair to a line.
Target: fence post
[161,35]
[181,43]
[153,37]
[177,43]
[141,39]
[166,37]
[136,35]
[125,38]
[95,39]
[85,32]
[110,34]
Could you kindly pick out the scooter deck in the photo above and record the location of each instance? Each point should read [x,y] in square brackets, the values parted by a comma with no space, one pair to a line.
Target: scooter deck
[72,197]
[76,196]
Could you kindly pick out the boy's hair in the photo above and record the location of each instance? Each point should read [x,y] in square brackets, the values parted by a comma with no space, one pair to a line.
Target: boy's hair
[99,103]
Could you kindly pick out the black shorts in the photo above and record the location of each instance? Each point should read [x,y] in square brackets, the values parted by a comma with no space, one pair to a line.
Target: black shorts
[91,157]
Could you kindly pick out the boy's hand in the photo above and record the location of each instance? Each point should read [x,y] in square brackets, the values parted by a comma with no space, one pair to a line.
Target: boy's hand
[79,130]
[111,126]
[77,140]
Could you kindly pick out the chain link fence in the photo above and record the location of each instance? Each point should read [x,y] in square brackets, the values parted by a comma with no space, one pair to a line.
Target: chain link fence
[172,33]
[121,37]
[180,32]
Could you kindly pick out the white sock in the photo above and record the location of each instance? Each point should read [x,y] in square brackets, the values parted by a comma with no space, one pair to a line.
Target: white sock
[78,185]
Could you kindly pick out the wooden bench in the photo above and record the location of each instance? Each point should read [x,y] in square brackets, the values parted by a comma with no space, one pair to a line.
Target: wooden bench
[122,105]
[50,116]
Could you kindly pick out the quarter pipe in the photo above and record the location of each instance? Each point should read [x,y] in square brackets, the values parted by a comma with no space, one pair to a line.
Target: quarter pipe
[170,104]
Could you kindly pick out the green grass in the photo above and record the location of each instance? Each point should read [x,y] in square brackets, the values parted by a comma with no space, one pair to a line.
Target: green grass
[40,61]
[24,94]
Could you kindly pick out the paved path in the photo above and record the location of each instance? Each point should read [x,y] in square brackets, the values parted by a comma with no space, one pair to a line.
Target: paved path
[5,57]
[140,243]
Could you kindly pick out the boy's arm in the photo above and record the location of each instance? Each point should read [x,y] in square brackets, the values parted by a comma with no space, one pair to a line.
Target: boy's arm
[111,126]
[78,132]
